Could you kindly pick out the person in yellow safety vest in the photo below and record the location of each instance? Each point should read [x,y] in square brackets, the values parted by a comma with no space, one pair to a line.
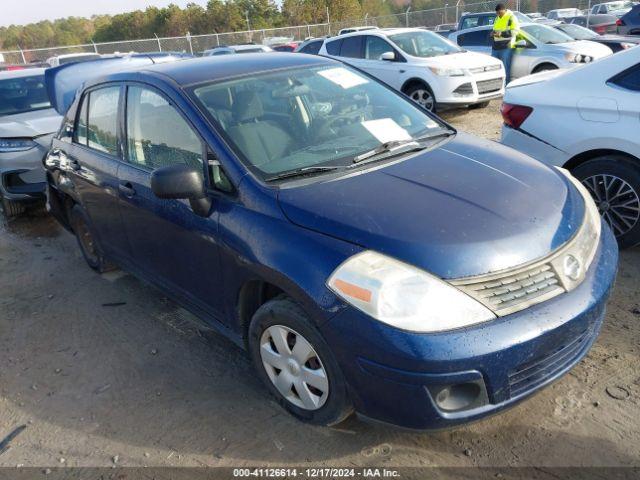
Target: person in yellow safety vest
[503,36]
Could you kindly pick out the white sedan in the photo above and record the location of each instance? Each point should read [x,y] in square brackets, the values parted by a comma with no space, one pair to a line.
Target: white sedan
[588,121]
[425,66]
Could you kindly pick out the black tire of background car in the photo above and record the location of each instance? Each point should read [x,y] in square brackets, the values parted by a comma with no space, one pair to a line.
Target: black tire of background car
[89,247]
[282,310]
[624,168]
[421,86]
[12,209]
[476,106]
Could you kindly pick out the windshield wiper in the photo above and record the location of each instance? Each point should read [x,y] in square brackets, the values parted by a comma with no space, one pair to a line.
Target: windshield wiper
[301,172]
[397,147]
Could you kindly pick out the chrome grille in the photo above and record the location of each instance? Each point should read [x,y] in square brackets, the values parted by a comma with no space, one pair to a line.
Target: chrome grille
[490,68]
[513,291]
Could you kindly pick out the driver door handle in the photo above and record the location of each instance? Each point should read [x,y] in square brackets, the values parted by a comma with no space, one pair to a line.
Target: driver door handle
[127,189]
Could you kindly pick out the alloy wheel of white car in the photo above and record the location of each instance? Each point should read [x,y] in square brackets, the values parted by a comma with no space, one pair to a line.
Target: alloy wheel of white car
[617,201]
[294,367]
[423,97]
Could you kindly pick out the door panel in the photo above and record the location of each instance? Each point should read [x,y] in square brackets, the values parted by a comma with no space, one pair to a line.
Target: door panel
[169,243]
[94,169]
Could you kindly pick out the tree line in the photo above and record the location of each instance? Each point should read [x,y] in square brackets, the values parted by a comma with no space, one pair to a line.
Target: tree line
[217,16]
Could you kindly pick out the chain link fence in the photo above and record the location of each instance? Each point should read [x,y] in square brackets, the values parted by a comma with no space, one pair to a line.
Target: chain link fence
[196,44]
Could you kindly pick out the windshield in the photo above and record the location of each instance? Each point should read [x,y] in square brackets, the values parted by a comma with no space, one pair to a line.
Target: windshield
[577,32]
[545,34]
[25,94]
[299,118]
[423,44]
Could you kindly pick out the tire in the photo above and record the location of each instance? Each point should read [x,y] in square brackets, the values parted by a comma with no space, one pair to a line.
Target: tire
[545,67]
[322,401]
[12,208]
[89,247]
[422,94]
[614,183]
[476,106]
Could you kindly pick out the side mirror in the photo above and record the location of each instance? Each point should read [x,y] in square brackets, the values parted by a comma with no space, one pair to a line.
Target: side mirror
[182,182]
[521,44]
[388,56]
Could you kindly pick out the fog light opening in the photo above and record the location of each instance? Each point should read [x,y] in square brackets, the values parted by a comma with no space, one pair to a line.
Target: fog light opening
[460,396]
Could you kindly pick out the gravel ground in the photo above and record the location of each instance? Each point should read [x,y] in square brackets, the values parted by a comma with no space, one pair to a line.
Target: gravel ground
[104,371]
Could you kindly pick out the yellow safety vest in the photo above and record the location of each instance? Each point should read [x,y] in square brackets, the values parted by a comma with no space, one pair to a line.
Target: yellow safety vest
[507,22]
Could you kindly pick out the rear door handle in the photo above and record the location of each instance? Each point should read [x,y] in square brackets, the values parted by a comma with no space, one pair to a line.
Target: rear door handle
[127,189]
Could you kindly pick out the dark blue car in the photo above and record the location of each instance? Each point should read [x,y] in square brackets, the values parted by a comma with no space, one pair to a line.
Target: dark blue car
[369,257]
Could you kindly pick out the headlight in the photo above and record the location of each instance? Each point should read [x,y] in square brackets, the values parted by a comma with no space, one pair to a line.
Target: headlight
[448,72]
[577,58]
[16,144]
[404,296]
[572,264]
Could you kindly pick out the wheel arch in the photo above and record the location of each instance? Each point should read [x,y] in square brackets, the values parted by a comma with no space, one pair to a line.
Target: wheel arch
[585,156]
[542,63]
[414,81]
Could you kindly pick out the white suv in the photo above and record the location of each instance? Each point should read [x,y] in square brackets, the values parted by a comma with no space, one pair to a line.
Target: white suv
[421,64]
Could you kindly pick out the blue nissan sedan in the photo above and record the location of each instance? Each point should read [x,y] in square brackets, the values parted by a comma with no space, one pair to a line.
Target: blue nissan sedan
[369,257]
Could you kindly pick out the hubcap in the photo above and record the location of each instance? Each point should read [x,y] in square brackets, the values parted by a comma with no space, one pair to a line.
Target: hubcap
[617,201]
[423,97]
[294,368]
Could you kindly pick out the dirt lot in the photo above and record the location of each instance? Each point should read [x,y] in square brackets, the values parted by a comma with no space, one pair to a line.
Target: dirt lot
[104,370]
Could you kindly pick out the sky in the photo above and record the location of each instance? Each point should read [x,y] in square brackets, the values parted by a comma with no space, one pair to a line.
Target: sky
[20,12]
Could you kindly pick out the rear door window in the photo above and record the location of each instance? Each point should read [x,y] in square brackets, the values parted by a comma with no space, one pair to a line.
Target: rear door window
[479,38]
[352,47]
[102,125]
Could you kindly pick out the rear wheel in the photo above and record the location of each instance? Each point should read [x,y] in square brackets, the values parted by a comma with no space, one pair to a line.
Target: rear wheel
[422,95]
[12,208]
[614,184]
[86,240]
[296,364]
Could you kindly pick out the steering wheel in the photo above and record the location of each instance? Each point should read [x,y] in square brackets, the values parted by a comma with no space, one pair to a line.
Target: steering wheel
[327,128]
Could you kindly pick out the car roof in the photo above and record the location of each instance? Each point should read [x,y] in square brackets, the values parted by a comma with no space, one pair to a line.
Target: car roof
[381,32]
[199,70]
[25,72]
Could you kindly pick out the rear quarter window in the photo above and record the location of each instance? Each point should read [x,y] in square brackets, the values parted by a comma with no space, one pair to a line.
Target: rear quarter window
[629,79]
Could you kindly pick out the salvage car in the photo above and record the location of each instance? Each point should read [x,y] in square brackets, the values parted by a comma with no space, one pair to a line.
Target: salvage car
[27,125]
[423,65]
[367,255]
[591,130]
[539,48]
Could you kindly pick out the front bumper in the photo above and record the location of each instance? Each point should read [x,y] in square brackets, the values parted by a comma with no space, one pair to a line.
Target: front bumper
[22,176]
[471,89]
[393,375]
[532,146]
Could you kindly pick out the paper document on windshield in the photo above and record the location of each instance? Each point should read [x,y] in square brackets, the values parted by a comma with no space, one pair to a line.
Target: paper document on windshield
[386,130]
[343,77]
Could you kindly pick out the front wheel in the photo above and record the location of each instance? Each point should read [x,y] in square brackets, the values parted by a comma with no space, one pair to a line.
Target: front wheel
[614,184]
[423,96]
[296,364]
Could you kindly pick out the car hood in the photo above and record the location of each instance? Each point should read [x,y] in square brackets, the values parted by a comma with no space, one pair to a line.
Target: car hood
[464,59]
[30,124]
[466,208]
[586,47]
